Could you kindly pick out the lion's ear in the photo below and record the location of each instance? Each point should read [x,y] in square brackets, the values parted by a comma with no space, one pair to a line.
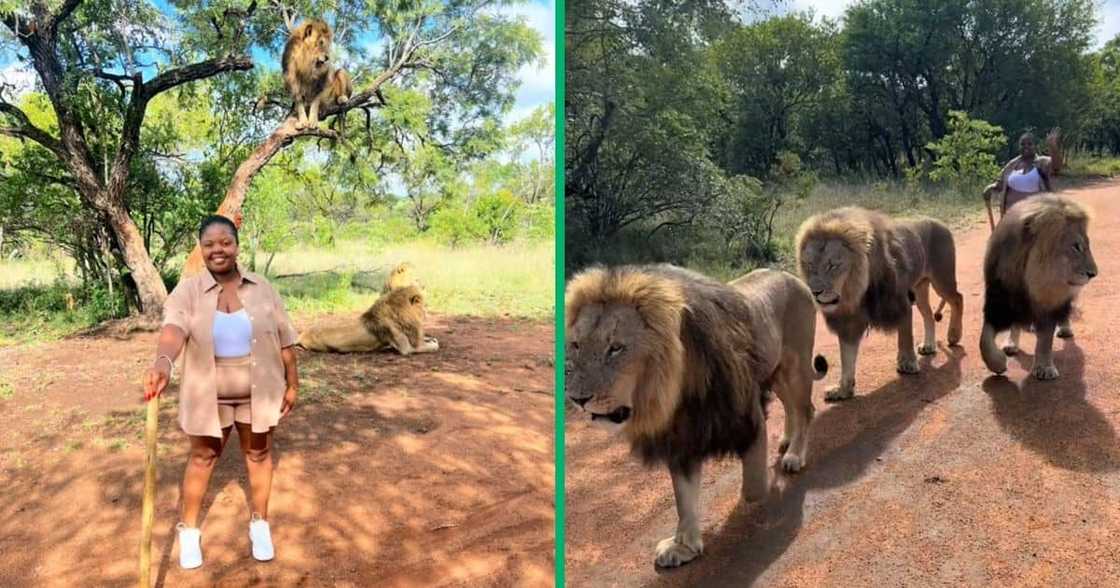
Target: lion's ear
[416,299]
[308,31]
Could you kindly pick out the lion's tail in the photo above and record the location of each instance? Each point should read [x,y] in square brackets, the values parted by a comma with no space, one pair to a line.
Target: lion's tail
[820,367]
[937,313]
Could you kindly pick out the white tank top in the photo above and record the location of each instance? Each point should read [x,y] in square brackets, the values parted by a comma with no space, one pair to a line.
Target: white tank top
[233,334]
[1029,182]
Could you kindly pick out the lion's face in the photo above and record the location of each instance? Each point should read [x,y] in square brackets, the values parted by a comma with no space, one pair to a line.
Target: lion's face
[607,355]
[1075,262]
[828,265]
[317,43]
[416,303]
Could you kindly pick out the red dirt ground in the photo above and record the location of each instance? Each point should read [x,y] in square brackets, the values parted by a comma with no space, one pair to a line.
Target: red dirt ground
[431,470]
[953,477]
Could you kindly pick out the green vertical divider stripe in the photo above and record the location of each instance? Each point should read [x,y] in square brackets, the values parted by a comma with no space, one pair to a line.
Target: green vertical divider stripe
[559,306]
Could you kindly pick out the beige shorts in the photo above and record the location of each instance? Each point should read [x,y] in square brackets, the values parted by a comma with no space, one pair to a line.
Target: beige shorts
[234,378]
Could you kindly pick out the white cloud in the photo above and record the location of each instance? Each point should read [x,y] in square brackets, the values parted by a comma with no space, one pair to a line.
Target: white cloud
[833,9]
[538,79]
[1109,25]
[1107,28]
[19,77]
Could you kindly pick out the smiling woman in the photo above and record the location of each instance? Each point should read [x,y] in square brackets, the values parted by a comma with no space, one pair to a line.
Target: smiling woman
[240,369]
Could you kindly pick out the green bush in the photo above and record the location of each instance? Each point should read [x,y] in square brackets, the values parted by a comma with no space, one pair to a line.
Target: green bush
[497,214]
[965,158]
[538,222]
[456,226]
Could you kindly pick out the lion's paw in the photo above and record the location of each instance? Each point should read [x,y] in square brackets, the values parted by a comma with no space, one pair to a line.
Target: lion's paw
[1065,332]
[1045,372]
[792,463]
[908,365]
[839,393]
[672,553]
[954,336]
[924,349]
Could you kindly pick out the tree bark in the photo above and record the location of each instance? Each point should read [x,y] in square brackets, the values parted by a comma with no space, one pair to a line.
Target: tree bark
[243,177]
[283,136]
[104,197]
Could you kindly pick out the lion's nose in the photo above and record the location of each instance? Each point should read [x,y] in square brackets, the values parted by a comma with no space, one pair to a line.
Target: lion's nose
[818,292]
[579,400]
[1091,273]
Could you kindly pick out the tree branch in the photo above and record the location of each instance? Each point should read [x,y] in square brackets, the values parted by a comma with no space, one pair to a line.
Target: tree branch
[28,130]
[63,13]
[196,71]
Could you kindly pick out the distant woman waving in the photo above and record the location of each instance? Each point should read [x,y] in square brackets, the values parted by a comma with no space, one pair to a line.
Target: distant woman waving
[1024,176]
[240,370]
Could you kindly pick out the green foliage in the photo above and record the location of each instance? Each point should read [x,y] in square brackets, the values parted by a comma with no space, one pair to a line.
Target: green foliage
[456,226]
[498,214]
[964,157]
[774,70]
[431,122]
[55,309]
[667,107]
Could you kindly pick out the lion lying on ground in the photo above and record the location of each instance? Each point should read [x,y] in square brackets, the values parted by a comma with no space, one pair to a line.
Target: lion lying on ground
[395,321]
[682,362]
[1037,260]
[307,71]
[865,269]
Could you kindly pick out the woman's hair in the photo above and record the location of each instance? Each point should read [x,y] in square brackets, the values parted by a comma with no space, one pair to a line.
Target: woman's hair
[217,219]
[1028,135]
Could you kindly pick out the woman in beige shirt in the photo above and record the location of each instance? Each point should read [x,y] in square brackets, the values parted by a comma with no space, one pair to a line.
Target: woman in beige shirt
[239,370]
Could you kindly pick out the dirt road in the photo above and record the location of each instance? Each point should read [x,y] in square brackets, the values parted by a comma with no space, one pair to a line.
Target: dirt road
[948,478]
[431,470]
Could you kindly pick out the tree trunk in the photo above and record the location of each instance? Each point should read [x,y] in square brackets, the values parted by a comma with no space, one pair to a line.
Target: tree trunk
[239,186]
[149,284]
[268,264]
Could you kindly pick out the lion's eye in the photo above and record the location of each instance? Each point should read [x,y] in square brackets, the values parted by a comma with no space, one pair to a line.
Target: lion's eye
[575,345]
[1078,248]
[615,349]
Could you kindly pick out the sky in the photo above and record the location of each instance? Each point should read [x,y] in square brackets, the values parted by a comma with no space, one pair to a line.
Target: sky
[537,79]
[1107,28]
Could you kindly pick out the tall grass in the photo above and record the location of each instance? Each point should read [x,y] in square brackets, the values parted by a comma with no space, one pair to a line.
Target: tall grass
[37,271]
[702,249]
[1082,165]
[514,280]
[39,299]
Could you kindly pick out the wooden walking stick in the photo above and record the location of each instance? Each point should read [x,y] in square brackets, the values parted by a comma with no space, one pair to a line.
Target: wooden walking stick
[988,191]
[148,512]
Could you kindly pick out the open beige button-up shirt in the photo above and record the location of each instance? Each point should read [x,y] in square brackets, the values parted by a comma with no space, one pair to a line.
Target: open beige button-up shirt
[191,307]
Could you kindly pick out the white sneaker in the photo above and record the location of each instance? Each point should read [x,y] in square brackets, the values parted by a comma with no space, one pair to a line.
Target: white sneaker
[190,547]
[261,537]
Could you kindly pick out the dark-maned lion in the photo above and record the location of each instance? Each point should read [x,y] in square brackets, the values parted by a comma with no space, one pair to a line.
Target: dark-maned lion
[864,270]
[1037,260]
[395,321]
[307,70]
[682,363]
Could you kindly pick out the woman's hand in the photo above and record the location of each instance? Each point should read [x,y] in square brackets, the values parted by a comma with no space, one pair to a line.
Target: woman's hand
[157,379]
[289,401]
